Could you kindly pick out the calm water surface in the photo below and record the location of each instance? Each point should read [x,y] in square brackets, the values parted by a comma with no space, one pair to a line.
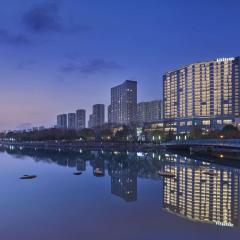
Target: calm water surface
[131,200]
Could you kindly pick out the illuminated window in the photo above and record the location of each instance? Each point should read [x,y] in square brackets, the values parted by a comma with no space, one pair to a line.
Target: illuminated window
[206,122]
[227,121]
[182,123]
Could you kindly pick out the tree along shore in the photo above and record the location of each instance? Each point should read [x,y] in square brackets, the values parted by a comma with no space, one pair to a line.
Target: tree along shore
[76,145]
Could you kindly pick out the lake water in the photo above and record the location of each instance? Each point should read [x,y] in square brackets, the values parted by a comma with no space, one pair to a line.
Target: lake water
[131,201]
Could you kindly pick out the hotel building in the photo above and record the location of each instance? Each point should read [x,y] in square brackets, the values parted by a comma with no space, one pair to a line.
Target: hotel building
[123,108]
[204,93]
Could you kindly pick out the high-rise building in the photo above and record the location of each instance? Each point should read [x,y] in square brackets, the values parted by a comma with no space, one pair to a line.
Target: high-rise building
[149,111]
[98,115]
[71,120]
[90,121]
[97,118]
[62,121]
[124,103]
[109,114]
[80,119]
[203,93]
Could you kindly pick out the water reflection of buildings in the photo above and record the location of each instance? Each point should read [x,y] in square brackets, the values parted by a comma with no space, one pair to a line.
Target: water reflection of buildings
[98,163]
[124,179]
[202,195]
[195,193]
[81,165]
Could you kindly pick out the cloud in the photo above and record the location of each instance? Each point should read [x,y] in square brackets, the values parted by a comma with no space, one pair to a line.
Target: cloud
[13,39]
[92,67]
[45,18]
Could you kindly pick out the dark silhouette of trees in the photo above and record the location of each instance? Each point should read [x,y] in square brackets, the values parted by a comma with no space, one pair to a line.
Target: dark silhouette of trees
[169,136]
[87,134]
[122,135]
[51,134]
[105,135]
[230,131]
[196,132]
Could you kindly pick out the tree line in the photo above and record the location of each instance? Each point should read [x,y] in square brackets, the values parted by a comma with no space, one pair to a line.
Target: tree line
[124,133]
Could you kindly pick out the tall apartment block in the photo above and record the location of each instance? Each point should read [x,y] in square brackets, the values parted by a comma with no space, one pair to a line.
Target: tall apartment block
[80,119]
[148,112]
[90,121]
[98,115]
[124,103]
[97,118]
[109,110]
[203,93]
[62,121]
[71,120]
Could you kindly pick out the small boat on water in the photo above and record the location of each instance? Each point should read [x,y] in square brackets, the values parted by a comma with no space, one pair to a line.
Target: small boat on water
[166,174]
[98,172]
[28,177]
[77,173]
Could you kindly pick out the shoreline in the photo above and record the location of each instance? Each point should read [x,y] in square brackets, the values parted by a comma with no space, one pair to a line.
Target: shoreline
[120,146]
[227,160]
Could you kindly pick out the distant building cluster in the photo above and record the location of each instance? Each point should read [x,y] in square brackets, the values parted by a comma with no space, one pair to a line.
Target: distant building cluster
[75,120]
[123,110]
[205,94]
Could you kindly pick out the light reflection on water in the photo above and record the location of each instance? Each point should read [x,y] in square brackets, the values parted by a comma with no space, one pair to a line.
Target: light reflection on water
[200,192]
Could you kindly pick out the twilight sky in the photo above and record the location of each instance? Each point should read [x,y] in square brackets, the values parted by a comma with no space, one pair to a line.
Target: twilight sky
[57,56]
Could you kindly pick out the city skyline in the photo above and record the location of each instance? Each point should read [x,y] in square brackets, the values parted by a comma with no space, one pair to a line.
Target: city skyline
[89,116]
[58,51]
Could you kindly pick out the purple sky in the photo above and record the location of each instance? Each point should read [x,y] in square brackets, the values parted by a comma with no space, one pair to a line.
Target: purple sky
[57,56]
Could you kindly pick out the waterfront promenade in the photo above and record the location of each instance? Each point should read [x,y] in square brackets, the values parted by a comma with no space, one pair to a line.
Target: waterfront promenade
[93,145]
[230,145]
[224,144]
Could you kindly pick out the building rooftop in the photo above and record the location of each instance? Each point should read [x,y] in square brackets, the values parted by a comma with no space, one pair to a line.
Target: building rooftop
[200,62]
